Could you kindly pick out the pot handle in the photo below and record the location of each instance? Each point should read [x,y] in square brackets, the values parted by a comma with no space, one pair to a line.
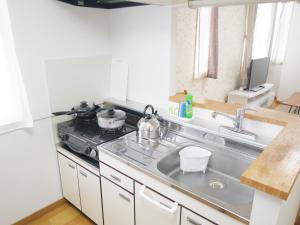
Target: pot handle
[146,108]
[64,113]
[60,113]
[67,112]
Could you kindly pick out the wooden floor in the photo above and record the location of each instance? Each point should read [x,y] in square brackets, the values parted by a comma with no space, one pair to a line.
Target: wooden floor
[65,214]
[298,217]
[275,104]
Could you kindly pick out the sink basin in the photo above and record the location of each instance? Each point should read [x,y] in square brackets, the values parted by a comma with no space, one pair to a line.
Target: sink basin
[220,182]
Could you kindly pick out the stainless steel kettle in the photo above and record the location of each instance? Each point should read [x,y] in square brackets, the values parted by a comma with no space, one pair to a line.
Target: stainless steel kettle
[148,126]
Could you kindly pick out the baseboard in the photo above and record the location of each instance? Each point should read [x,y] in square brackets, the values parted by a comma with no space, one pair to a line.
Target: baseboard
[40,213]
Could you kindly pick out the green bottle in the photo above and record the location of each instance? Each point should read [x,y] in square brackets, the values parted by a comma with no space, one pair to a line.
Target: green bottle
[189,106]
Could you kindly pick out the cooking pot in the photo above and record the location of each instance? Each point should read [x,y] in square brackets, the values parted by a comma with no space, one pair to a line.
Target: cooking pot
[149,126]
[111,118]
[83,111]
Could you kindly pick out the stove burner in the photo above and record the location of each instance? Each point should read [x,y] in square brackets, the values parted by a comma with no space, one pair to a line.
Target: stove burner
[84,121]
[82,136]
[119,130]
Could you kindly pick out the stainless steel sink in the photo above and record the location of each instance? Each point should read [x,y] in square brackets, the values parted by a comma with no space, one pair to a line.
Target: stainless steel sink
[221,180]
[219,186]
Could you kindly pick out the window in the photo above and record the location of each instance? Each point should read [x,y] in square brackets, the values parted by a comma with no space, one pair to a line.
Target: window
[206,46]
[271,31]
[14,112]
[263,30]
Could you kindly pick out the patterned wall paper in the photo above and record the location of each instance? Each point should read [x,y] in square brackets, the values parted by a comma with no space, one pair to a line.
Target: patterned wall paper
[231,31]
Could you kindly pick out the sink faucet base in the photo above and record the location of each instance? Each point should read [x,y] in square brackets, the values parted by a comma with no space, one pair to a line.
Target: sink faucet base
[242,133]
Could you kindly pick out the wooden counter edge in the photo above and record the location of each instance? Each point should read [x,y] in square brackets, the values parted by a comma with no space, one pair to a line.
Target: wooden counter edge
[262,187]
[262,115]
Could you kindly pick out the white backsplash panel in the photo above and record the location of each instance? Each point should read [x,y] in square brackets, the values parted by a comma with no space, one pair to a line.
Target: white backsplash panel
[72,80]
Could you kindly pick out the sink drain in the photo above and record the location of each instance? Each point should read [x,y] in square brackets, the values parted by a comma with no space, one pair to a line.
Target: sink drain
[216,185]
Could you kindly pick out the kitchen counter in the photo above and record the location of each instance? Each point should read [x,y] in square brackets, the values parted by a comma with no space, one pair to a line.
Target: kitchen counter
[276,169]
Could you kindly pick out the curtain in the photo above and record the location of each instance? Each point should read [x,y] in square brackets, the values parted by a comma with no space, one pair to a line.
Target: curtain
[213,45]
[206,43]
[281,31]
[202,42]
[14,111]
[251,11]
[196,74]
[263,32]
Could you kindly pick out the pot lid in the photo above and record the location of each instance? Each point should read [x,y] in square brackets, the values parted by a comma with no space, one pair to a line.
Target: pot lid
[112,113]
[83,107]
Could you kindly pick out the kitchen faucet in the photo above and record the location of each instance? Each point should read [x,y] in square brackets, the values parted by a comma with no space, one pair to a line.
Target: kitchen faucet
[237,119]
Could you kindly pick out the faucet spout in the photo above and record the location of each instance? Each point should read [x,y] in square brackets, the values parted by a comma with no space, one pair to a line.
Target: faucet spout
[216,114]
[237,120]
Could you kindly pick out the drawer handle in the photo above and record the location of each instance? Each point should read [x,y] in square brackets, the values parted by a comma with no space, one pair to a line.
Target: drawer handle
[83,174]
[191,221]
[116,178]
[71,166]
[171,210]
[124,197]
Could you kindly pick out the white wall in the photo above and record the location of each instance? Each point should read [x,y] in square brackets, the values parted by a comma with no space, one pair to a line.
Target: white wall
[28,171]
[43,29]
[290,76]
[274,76]
[49,29]
[142,36]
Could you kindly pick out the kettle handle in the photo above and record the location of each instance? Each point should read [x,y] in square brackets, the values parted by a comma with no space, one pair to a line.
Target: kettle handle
[146,108]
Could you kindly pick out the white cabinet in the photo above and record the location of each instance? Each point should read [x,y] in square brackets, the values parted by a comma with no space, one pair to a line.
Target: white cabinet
[69,180]
[81,188]
[116,177]
[118,204]
[190,218]
[90,195]
[153,208]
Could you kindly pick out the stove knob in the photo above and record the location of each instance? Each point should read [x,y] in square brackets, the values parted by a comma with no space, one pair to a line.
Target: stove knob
[65,137]
[88,150]
[93,153]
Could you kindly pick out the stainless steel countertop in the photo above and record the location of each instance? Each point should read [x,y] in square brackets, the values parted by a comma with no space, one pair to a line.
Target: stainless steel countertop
[235,199]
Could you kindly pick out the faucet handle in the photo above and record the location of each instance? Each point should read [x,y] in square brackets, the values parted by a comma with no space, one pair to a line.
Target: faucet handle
[250,109]
[242,110]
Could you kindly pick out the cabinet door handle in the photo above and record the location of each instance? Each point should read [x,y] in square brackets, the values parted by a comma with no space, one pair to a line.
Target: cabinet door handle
[83,174]
[71,166]
[191,221]
[116,178]
[124,197]
[171,210]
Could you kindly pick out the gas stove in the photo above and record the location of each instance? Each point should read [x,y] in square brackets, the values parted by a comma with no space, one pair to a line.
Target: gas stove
[82,137]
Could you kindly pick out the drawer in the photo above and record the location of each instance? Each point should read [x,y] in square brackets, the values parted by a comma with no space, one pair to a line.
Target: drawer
[154,209]
[116,177]
[190,218]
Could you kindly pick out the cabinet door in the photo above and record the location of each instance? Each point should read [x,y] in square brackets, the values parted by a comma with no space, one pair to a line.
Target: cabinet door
[69,180]
[118,205]
[90,195]
[152,208]
[190,218]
